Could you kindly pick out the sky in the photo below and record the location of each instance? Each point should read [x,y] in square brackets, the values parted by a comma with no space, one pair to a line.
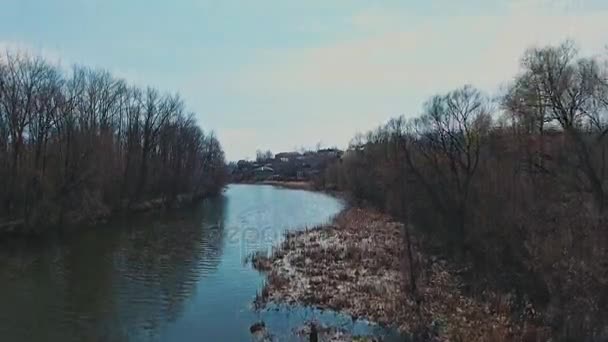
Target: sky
[285,74]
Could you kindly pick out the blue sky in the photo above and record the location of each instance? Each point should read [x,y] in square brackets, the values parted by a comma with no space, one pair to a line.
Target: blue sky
[283,74]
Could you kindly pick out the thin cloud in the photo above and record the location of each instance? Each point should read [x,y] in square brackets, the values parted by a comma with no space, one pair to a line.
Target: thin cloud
[435,54]
[354,84]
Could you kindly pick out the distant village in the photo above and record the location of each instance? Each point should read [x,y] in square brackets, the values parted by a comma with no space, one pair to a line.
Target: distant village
[284,166]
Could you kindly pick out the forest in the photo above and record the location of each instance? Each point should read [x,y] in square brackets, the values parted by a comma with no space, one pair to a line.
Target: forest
[77,144]
[513,187]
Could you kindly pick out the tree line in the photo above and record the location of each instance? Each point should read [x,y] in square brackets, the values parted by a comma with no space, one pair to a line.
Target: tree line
[514,186]
[80,142]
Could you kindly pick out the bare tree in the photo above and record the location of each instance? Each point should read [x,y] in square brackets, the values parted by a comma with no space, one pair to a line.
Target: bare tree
[447,140]
[573,92]
[82,143]
[261,156]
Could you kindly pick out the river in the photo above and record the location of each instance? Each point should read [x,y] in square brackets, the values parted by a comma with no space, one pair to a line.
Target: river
[172,276]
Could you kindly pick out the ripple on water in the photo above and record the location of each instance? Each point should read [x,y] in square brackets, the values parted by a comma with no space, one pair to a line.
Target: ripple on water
[176,276]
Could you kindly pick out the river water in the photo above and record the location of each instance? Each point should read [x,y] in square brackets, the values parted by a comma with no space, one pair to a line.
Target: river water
[177,276]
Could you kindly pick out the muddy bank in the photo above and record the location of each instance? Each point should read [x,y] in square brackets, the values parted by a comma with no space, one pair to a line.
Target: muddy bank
[295,185]
[355,265]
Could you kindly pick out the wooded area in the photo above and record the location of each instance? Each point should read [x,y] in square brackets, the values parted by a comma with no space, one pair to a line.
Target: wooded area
[77,144]
[512,188]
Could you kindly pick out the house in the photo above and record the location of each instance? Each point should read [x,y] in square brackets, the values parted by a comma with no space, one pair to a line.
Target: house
[287,166]
[287,156]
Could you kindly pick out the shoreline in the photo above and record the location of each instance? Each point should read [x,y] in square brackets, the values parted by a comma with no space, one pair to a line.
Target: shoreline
[306,186]
[20,229]
[293,185]
[354,265]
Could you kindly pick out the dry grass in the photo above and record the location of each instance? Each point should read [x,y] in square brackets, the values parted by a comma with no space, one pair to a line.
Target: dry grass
[354,266]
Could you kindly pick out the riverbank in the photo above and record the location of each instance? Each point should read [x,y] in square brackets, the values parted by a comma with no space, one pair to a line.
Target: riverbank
[294,185]
[95,213]
[308,186]
[354,265]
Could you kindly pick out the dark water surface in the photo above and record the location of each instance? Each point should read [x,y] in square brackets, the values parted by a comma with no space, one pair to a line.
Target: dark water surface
[175,276]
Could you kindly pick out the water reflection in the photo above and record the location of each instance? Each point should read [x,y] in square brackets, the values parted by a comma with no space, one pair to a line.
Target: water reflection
[173,276]
[158,266]
[120,281]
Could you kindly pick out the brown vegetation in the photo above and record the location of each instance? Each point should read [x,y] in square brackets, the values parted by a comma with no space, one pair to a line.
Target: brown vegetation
[356,266]
[81,143]
[514,191]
